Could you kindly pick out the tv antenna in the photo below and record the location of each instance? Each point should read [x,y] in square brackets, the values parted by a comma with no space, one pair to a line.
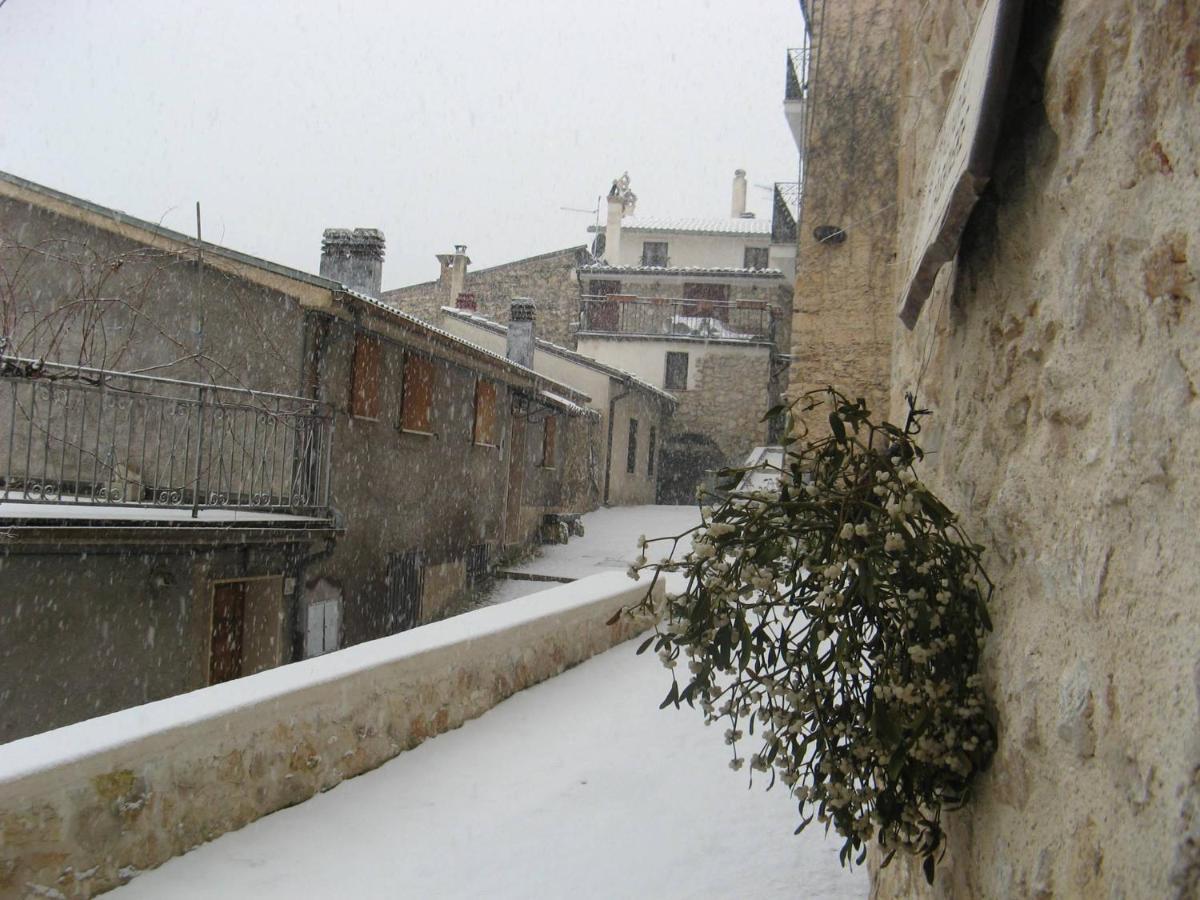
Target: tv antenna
[575,209]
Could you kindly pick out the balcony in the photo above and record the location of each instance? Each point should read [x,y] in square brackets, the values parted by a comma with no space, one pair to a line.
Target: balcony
[80,438]
[797,94]
[622,314]
[785,212]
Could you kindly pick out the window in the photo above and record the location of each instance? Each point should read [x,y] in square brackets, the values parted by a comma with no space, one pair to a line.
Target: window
[677,371]
[653,442]
[418,394]
[549,433]
[758,258]
[485,413]
[364,377]
[631,456]
[654,253]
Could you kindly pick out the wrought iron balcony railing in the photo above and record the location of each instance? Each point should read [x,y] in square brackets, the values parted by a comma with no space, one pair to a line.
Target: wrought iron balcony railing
[741,320]
[796,86]
[86,437]
[785,213]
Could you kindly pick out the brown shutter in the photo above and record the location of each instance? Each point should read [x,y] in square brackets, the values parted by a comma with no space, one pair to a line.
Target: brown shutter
[364,378]
[485,412]
[418,394]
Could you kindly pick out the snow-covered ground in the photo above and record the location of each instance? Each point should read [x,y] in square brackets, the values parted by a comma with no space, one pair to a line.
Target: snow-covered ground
[579,787]
[609,542]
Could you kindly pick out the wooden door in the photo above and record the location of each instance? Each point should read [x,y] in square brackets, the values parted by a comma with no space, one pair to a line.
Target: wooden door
[228,627]
[516,481]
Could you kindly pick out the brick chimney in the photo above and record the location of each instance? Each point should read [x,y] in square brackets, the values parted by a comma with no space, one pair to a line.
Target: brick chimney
[737,208]
[520,332]
[466,300]
[354,257]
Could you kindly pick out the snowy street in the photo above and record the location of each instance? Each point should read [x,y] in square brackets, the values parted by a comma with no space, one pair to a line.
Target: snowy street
[609,542]
[578,787]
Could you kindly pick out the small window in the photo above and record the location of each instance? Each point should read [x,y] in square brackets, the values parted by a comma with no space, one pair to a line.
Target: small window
[677,371]
[654,253]
[485,413]
[549,434]
[631,456]
[758,258]
[364,377]
[418,394]
[653,447]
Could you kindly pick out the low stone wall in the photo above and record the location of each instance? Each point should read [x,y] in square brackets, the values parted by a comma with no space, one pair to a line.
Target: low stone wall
[85,807]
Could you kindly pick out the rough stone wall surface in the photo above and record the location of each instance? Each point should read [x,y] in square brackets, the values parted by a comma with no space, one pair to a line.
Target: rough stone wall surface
[139,632]
[82,827]
[550,279]
[843,304]
[728,403]
[1061,360]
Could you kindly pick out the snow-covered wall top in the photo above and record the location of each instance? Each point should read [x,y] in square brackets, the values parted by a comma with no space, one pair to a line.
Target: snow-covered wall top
[101,799]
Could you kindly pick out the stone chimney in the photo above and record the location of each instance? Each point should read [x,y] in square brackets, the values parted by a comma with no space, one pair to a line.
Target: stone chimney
[520,332]
[737,208]
[612,230]
[466,300]
[354,257]
[454,269]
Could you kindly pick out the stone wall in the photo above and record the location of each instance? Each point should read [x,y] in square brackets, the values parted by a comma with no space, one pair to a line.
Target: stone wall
[843,304]
[139,632]
[728,403]
[550,279]
[1061,360]
[84,808]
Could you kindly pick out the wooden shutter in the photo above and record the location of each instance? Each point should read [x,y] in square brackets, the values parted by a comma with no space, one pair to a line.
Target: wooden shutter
[418,394]
[364,377]
[485,413]
[228,625]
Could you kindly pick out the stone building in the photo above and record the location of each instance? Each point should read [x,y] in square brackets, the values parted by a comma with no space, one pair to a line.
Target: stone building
[552,279]
[322,469]
[635,416]
[700,308]
[840,103]
[1058,352]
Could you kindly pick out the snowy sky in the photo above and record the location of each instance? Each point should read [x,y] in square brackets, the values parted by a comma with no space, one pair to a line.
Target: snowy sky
[438,122]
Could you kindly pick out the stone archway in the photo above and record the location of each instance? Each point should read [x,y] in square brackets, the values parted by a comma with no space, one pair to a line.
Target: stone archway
[687,462]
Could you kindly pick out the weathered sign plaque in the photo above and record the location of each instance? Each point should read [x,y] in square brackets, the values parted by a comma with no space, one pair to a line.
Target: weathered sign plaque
[961,161]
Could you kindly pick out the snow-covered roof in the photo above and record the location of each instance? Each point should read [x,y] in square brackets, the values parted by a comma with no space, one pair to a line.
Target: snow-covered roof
[566,405]
[695,225]
[441,334]
[566,353]
[295,275]
[603,268]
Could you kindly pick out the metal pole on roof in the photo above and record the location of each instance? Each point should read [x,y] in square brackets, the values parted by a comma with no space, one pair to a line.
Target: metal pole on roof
[198,300]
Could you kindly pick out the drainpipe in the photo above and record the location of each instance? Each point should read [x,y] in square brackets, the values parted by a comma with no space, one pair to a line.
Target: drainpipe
[612,412]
